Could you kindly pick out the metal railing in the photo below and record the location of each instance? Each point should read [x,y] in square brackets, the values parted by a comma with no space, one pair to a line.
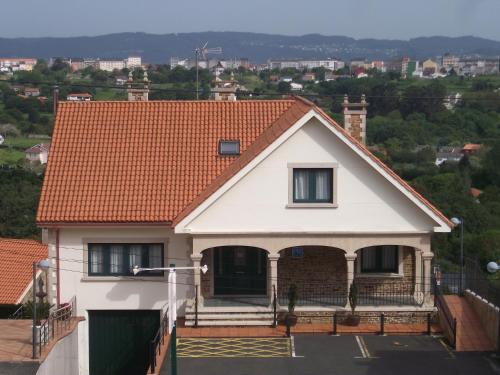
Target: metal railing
[370,293]
[18,314]
[390,293]
[59,321]
[449,321]
[157,342]
[477,281]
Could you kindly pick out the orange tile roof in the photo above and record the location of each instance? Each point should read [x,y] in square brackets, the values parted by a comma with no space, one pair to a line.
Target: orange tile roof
[154,162]
[16,274]
[472,147]
[143,161]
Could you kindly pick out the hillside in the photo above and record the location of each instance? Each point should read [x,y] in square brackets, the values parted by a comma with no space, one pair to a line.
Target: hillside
[257,47]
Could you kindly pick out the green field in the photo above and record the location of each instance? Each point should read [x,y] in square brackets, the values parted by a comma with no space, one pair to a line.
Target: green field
[21,143]
[9,156]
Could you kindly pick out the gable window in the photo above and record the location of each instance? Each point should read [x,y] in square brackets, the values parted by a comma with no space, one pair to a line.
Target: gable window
[379,259]
[118,259]
[229,147]
[312,185]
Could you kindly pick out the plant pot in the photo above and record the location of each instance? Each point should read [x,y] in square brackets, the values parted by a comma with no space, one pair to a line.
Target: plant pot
[291,319]
[352,320]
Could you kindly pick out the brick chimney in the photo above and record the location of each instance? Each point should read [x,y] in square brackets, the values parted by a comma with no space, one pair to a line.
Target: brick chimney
[355,118]
[138,91]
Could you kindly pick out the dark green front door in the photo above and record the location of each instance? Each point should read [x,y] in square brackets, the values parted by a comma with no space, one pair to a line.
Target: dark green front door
[119,341]
[240,270]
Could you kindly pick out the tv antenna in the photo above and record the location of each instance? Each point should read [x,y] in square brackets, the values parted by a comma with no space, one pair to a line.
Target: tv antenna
[203,52]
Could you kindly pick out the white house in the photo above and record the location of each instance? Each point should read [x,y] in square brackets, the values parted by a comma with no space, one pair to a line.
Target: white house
[39,152]
[266,193]
[79,97]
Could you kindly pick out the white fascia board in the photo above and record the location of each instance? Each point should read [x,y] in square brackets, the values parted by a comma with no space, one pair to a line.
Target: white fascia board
[181,227]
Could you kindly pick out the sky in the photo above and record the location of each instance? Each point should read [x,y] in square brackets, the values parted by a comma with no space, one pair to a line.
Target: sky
[388,19]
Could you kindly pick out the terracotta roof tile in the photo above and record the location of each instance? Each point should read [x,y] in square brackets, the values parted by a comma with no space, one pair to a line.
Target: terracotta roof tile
[16,266]
[143,161]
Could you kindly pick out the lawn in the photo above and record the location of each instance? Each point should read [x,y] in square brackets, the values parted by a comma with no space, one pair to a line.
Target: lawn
[21,143]
[9,156]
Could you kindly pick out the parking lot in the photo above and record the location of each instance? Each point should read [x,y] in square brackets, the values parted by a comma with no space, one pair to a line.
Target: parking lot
[346,355]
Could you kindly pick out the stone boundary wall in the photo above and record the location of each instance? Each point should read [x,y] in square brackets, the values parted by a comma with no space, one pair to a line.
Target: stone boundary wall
[366,316]
[488,315]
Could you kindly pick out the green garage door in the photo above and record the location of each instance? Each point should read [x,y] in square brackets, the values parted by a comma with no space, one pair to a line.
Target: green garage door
[119,341]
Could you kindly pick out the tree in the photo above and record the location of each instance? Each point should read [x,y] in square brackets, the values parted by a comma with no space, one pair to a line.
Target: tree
[284,87]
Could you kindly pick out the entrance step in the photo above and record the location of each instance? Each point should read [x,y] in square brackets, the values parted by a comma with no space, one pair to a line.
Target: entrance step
[215,317]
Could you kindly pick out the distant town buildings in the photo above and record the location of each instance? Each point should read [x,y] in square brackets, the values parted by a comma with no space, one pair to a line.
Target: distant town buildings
[14,64]
[330,64]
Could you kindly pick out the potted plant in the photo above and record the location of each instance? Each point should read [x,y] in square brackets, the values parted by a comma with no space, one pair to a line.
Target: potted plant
[353,320]
[291,318]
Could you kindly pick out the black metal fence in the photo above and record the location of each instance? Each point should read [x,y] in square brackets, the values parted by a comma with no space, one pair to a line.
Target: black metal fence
[369,293]
[449,322]
[157,342]
[478,282]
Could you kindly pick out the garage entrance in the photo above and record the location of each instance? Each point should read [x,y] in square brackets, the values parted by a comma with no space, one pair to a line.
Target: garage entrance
[119,341]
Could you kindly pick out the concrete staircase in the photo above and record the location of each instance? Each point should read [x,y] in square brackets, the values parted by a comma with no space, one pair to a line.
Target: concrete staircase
[228,316]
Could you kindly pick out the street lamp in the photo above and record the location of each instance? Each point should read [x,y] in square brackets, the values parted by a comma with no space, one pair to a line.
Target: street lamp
[42,265]
[460,221]
[492,267]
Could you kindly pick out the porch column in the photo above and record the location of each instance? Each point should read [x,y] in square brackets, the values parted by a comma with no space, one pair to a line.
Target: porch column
[273,275]
[418,272]
[350,258]
[197,275]
[427,257]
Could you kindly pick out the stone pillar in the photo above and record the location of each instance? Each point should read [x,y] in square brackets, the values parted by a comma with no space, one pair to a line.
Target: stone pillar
[196,258]
[273,275]
[350,258]
[427,257]
[418,272]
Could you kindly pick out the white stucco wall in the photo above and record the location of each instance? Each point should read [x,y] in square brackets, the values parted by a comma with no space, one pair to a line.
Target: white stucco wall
[63,358]
[367,202]
[109,293]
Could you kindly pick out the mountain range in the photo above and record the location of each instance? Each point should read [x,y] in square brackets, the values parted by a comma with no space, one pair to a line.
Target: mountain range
[256,47]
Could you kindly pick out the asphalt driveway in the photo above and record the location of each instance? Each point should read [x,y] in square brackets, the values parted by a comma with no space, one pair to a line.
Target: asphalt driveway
[346,355]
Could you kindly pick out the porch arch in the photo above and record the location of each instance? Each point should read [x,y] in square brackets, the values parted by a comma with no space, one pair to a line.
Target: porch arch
[318,272]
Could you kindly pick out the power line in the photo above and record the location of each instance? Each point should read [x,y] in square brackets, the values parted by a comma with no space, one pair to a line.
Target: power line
[252,93]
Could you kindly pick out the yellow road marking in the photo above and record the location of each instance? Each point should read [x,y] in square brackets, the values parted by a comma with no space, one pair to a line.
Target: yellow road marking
[233,347]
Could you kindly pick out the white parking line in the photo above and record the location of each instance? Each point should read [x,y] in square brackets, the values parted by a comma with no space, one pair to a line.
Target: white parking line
[292,343]
[362,347]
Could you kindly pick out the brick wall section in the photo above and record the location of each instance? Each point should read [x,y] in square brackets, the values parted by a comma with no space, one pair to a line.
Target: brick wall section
[355,127]
[321,272]
[206,278]
[396,285]
[367,316]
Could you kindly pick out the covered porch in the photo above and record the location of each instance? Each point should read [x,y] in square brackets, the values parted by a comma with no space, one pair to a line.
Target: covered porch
[254,273]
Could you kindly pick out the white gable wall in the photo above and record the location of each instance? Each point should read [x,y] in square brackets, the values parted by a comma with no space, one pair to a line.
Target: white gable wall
[367,202]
